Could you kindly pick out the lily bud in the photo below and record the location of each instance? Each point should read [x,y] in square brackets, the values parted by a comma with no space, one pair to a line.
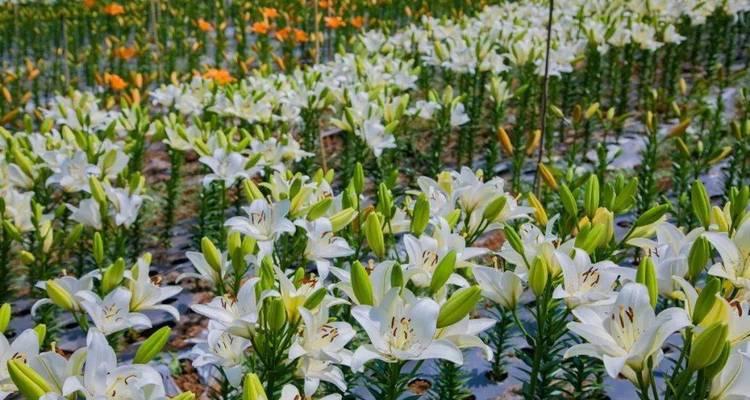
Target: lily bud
[421,215]
[374,234]
[361,284]
[505,141]
[112,276]
[252,389]
[591,196]
[98,248]
[443,271]
[251,190]
[591,110]
[701,203]
[646,275]
[342,219]
[604,217]
[5,314]
[212,254]
[452,218]
[458,306]
[718,217]
[319,209]
[276,314]
[706,300]
[152,346]
[41,332]
[97,191]
[547,176]
[652,215]
[494,208]
[625,199]
[568,201]
[266,274]
[74,236]
[538,276]
[539,213]
[397,276]
[184,396]
[59,296]
[708,346]
[718,365]
[679,129]
[26,257]
[683,86]
[590,237]
[30,384]
[513,239]
[698,257]
[315,299]
[358,178]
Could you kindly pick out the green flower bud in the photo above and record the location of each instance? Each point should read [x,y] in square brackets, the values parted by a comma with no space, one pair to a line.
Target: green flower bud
[512,237]
[421,215]
[708,346]
[495,207]
[97,191]
[266,275]
[452,218]
[112,276]
[184,396]
[698,257]
[30,384]
[718,365]
[212,254]
[315,298]
[74,236]
[98,248]
[591,196]
[590,237]
[443,271]
[568,201]
[458,306]
[706,300]
[12,231]
[319,209]
[397,276]
[41,332]
[5,314]
[385,201]
[701,203]
[652,215]
[252,192]
[26,257]
[342,219]
[646,275]
[361,284]
[299,276]
[152,346]
[276,314]
[358,178]
[252,389]
[374,234]
[60,297]
[538,276]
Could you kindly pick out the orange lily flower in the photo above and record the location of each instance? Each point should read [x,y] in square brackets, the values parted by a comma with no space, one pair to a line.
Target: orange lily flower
[89,3]
[300,36]
[220,76]
[115,82]
[269,12]
[204,25]
[334,22]
[358,21]
[261,28]
[114,9]
[125,53]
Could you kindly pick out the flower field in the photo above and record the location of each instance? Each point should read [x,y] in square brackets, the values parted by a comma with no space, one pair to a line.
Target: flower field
[377,200]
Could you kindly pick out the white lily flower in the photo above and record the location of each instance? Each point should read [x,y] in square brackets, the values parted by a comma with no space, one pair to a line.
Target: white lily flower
[56,369]
[87,213]
[321,339]
[24,348]
[323,245]
[735,255]
[401,328]
[18,208]
[264,223]
[503,287]
[74,173]
[205,271]
[222,349]
[125,205]
[146,295]
[225,166]
[290,392]
[103,379]
[237,316]
[424,255]
[71,285]
[465,334]
[374,134]
[112,314]
[733,382]
[587,283]
[626,335]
